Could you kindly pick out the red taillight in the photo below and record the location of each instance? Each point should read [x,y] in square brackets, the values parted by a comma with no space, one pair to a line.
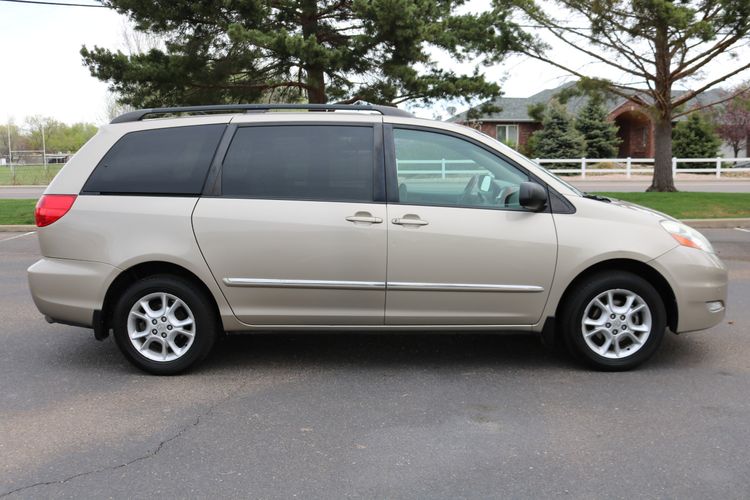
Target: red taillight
[51,207]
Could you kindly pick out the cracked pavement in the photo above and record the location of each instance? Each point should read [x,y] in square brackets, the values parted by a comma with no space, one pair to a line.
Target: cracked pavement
[360,415]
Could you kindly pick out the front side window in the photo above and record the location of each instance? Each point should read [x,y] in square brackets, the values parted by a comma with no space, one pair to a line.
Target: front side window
[305,162]
[439,169]
[159,161]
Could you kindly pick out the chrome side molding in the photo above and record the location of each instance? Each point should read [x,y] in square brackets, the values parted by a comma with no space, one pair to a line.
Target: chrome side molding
[461,287]
[277,283]
[380,285]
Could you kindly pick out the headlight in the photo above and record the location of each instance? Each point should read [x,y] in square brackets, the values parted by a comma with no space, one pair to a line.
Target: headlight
[687,236]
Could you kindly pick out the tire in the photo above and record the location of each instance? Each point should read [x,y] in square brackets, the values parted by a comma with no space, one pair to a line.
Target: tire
[601,330]
[159,340]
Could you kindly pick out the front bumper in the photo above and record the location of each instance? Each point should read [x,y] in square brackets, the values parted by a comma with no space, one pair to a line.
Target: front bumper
[699,280]
[69,291]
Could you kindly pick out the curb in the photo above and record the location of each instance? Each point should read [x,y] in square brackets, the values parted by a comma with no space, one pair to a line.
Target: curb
[716,223]
[17,228]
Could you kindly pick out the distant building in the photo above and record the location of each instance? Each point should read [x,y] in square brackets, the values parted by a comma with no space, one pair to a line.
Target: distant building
[513,125]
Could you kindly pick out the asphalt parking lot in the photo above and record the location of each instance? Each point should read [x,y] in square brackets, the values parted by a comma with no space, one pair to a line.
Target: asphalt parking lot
[371,416]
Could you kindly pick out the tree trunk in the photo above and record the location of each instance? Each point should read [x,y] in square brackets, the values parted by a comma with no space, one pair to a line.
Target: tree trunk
[663,179]
[315,76]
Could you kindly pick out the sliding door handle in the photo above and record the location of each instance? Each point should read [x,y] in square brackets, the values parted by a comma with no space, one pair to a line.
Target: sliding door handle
[410,221]
[364,217]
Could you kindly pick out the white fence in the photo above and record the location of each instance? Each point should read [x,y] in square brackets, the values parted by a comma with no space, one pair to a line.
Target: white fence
[640,166]
[627,166]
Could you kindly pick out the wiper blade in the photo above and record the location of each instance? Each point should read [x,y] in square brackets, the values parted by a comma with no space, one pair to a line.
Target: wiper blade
[597,197]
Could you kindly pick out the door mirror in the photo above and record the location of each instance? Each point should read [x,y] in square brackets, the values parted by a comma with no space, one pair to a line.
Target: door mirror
[532,196]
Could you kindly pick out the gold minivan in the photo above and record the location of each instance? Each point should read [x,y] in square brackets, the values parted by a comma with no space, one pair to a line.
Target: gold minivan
[173,226]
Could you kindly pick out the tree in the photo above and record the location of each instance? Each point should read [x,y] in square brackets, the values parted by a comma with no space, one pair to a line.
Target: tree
[695,138]
[652,43]
[599,134]
[58,136]
[557,138]
[732,120]
[380,51]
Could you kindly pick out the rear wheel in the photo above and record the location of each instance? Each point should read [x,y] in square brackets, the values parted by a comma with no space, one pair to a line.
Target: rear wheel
[614,321]
[163,325]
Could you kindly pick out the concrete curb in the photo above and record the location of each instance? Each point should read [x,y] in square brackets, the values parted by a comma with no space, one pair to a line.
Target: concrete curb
[17,228]
[716,223]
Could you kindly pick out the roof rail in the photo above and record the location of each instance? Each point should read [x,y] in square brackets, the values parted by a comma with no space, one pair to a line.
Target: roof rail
[140,114]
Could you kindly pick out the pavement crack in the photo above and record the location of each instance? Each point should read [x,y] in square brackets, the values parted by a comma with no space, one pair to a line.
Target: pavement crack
[148,455]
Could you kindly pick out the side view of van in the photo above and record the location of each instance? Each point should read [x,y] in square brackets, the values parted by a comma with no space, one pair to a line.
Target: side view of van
[173,226]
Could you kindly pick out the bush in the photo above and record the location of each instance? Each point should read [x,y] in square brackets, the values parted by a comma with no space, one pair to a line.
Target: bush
[558,138]
[599,134]
[695,138]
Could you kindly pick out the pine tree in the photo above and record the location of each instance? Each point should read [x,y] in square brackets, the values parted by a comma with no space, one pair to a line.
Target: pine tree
[695,138]
[380,51]
[558,138]
[599,133]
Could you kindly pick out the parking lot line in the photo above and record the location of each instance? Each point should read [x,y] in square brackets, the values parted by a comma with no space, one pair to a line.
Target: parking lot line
[18,236]
[742,229]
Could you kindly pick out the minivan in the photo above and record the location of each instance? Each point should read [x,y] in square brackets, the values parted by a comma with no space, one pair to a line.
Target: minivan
[174,226]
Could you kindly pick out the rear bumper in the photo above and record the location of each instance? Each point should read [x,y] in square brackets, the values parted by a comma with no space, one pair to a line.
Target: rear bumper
[699,281]
[69,291]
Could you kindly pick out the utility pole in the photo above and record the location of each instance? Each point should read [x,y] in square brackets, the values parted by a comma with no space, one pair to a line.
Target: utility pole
[10,158]
[44,150]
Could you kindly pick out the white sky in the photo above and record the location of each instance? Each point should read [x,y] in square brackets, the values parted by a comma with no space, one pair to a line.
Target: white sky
[41,72]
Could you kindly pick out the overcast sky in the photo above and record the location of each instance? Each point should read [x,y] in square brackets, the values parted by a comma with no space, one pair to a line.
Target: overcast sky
[41,71]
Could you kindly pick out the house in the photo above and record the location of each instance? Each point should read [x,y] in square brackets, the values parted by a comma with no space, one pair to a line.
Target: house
[513,125]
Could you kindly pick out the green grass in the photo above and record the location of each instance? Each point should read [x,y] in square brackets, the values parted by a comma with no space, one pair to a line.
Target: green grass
[28,175]
[686,205]
[679,205]
[17,211]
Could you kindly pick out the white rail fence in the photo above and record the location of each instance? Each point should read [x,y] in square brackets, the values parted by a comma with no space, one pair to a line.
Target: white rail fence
[627,166]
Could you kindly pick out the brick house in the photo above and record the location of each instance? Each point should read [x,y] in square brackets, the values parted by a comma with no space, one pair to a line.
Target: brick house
[513,125]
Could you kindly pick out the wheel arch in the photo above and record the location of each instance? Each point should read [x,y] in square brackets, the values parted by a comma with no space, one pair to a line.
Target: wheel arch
[142,270]
[645,271]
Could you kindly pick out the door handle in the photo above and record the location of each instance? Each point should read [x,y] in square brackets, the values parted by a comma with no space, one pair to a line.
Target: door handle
[364,217]
[410,220]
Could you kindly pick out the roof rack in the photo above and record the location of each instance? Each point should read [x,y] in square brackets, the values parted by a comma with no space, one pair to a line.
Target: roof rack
[140,114]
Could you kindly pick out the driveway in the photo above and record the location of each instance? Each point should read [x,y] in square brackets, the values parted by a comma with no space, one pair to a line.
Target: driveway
[371,416]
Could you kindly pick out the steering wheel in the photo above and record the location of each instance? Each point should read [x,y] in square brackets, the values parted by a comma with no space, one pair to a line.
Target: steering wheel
[507,192]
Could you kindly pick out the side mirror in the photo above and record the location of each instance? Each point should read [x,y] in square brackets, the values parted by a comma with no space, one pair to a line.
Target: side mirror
[532,196]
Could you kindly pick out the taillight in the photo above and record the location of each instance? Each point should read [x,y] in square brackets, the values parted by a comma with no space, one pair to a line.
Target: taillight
[51,207]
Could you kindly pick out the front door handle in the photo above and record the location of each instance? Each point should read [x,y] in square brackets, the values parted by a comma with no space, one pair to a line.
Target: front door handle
[364,217]
[410,220]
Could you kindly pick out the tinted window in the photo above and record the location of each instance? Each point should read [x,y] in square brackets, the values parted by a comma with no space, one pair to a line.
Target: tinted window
[167,160]
[308,162]
[439,169]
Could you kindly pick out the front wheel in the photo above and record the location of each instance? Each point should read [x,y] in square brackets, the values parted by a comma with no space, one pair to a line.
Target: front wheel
[614,321]
[163,325]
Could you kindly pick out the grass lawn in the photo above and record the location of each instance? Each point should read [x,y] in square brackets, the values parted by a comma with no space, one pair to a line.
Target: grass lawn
[686,205]
[17,211]
[28,174]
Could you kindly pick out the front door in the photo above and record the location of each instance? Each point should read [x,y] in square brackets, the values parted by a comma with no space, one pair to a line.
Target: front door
[461,250]
[296,235]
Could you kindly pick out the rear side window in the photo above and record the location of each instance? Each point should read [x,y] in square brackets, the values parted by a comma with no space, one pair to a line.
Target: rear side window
[307,162]
[159,161]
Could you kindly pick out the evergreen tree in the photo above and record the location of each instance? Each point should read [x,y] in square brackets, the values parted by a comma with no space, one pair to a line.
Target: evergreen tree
[599,133]
[558,138]
[380,51]
[695,138]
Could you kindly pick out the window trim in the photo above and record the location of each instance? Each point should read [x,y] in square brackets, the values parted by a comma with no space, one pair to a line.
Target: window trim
[378,177]
[392,170]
